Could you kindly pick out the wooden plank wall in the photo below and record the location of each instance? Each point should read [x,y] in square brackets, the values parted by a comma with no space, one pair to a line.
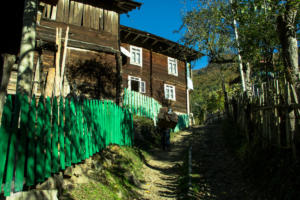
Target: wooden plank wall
[160,77]
[47,31]
[95,80]
[80,14]
[94,73]
[137,71]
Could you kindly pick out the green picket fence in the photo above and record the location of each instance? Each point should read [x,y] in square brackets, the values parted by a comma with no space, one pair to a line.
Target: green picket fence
[145,106]
[141,105]
[40,139]
[183,122]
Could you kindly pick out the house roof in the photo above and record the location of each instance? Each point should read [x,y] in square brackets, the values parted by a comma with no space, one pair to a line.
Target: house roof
[121,6]
[157,44]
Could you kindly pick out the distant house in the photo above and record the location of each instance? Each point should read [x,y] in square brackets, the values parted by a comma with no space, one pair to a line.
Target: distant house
[103,57]
[157,67]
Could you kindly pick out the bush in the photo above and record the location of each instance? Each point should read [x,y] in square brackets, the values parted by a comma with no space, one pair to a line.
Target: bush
[146,134]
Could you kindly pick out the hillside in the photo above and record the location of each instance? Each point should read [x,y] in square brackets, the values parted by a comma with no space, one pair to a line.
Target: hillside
[208,96]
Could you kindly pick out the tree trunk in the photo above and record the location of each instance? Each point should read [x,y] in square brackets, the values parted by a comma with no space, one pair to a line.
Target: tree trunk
[226,103]
[239,54]
[8,62]
[25,68]
[288,39]
[248,80]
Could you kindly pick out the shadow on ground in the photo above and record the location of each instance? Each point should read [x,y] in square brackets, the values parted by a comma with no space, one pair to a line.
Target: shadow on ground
[215,172]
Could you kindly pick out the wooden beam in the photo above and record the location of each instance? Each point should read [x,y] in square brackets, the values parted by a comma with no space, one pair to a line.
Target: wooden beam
[145,40]
[127,35]
[171,47]
[79,44]
[135,38]
[154,43]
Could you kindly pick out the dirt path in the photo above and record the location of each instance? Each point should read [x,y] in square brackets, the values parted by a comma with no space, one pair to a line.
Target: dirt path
[161,170]
[215,173]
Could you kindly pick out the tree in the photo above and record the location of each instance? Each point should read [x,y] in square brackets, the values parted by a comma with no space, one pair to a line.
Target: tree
[25,68]
[286,24]
[208,31]
[261,28]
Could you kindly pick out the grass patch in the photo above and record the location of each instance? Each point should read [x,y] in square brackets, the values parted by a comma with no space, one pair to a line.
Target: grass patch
[93,191]
[118,177]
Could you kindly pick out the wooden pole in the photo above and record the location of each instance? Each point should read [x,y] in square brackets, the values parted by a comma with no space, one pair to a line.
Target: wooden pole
[119,85]
[57,62]
[64,60]
[36,76]
[50,82]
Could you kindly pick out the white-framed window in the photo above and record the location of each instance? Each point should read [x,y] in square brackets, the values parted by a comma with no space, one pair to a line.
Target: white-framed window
[136,84]
[136,56]
[172,66]
[170,92]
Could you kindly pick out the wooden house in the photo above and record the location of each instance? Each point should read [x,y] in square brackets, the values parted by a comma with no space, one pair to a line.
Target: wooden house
[101,57]
[92,57]
[157,67]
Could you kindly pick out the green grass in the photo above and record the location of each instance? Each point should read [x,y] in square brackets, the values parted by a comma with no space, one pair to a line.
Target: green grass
[117,180]
[94,191]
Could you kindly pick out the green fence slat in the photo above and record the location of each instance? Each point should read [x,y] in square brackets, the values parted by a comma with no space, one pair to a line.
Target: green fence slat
[40,156]
[80,131]
[82,138]
[61,135]
[97,126]
[113,123]
[31,144]
[84,110]
[92,145]
[68,133]
[47,129]
[118,126]
[102,122]
[11,151]
[5,131]
[90,129]
[94,126]
[21,144]
[73,132]
[54,136]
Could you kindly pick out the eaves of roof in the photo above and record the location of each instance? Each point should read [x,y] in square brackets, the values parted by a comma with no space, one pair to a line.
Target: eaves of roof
[157,44]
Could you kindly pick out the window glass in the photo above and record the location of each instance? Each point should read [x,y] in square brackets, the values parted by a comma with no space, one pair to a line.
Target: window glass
[143,87]
[172,66]
[136,55]
[170,92]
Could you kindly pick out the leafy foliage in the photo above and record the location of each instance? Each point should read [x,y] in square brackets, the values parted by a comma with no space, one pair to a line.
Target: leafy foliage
[208,30]
[208,96]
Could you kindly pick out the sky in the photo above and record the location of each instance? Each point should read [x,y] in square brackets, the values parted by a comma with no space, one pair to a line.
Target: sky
[161,18]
